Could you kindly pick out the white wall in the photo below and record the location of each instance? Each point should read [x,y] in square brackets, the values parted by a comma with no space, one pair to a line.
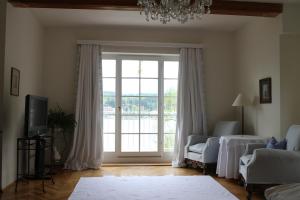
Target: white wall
[290,68]
[290,18]
[290,81]
[2,55]
[24,48]
[270,48]
[257,57]
[60,55]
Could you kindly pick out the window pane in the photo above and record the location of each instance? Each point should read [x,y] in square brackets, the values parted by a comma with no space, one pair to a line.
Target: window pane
[109,86]
[149,143]
[170,87]
[149,69]
[171,69]
[149,124]
[130,124]
[130,68]
[109,123]
[109,104]
[130,87]
[169,141]
[170,124]
[130,143]
[170,105]
[149,87]
[130,105]
[109,142]
[149,105]
[109,68]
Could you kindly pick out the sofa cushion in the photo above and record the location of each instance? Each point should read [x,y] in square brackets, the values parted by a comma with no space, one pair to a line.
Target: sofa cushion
[197,148]
[246,159]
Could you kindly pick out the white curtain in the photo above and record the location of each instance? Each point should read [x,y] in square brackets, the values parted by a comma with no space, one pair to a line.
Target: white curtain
[87,147]
[191,115]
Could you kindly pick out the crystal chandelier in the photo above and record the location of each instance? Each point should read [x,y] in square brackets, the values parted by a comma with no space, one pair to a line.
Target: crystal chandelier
[182,10]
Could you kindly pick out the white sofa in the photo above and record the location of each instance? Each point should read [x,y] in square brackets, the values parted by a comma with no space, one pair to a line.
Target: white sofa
[283,192]
[262,166]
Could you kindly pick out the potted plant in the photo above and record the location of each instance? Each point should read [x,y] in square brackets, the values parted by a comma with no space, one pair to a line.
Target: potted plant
[60,123]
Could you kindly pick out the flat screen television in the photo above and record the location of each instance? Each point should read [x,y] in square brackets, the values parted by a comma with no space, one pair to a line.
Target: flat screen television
[36,115]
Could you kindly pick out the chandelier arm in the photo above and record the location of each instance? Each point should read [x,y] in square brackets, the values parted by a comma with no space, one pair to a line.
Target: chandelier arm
[180,10]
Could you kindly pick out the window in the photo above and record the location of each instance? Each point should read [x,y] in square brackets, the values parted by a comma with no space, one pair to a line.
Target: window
[170,103]
[109,104]
[139,103]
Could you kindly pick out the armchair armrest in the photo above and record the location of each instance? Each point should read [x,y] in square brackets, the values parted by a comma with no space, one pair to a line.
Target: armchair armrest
[274,166]
[253,146]
[211,150]
[195,139]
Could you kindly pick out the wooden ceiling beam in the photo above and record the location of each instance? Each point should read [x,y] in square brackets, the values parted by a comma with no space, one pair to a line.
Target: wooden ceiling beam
[78,4]
[223,7]
[246,8]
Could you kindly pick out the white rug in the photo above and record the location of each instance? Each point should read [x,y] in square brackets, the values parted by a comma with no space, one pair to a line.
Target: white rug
[150,188]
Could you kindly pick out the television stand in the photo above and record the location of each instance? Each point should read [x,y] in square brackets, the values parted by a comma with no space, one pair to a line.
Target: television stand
[38,147]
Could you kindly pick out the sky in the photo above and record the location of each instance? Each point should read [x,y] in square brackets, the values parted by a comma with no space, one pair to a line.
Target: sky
[130,76]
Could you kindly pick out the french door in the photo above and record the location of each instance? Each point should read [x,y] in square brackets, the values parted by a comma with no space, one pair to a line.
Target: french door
[139,95]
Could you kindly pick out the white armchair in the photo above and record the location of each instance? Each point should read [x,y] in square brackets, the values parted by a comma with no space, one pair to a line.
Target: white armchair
[204,150]
[264,166]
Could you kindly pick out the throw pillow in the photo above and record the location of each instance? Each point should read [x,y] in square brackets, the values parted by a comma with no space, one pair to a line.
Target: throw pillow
[274,144]
[281,145]
[271,143]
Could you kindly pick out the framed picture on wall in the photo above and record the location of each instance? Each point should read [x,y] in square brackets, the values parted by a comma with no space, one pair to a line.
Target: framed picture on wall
[14,82]
[265,90]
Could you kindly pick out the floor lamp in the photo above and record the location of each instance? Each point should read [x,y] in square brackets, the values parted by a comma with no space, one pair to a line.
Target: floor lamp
[240,101]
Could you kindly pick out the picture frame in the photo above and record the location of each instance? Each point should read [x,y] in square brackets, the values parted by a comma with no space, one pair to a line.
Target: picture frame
[15,82]
[265,90]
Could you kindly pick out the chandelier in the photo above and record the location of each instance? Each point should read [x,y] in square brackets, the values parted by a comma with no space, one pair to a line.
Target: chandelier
[180,10]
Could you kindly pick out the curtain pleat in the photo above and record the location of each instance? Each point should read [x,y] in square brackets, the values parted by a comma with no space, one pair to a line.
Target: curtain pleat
[191,113]
[87,146]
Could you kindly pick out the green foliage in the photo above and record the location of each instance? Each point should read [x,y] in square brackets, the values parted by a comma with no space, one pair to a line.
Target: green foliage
[169,142]
[147,104]
[57,118]
[171,92]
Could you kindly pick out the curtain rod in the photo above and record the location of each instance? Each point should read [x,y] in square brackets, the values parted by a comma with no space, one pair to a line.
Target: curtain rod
[141,44]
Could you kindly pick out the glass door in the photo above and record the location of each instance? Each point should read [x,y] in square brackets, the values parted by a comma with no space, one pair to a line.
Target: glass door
[139,105]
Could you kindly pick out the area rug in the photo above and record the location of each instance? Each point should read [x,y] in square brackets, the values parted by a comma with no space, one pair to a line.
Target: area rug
[150,188]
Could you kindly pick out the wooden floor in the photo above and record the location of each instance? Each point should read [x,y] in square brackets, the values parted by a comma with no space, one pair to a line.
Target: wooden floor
[65,182]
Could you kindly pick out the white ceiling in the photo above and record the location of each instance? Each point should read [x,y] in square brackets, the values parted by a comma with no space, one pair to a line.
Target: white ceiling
[93,18]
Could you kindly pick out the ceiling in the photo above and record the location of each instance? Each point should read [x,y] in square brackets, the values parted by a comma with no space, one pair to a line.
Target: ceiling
[94,18]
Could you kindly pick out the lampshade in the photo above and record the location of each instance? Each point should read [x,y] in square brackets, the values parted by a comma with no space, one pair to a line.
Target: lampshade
[240,100]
